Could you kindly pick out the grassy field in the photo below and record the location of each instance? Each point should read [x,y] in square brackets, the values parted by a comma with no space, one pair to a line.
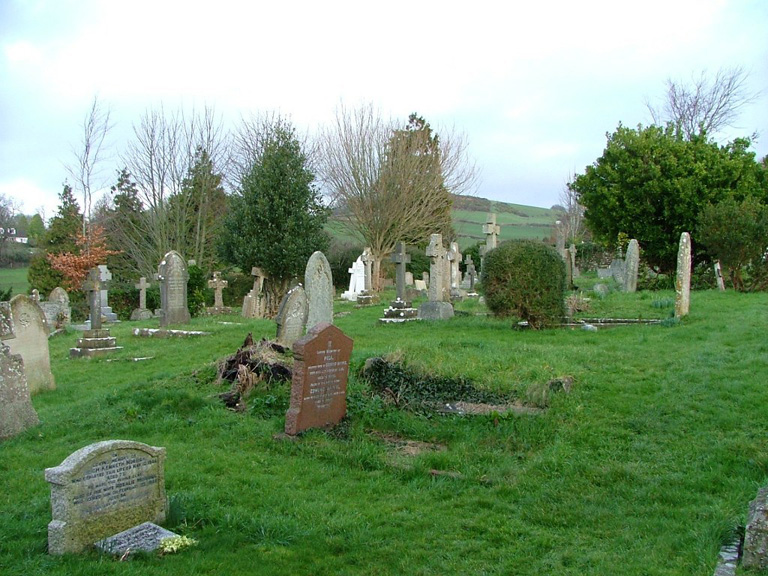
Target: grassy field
[516,222]
[15,278]
[645,468]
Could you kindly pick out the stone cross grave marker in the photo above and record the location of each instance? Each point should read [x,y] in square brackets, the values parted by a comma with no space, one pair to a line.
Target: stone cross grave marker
[142,288]
[356,280]
[142,313]
[31,343]
[683,277]
[367,259]
[255,302]
[631,266]
[318,284]
[173,276]
[92,287]
[436,308]
[491,231]
[16,411]
[319,386]
[574,268]
[106,310]
[471,271]
[400,257]
[102,489]
[292,316]
[218,284]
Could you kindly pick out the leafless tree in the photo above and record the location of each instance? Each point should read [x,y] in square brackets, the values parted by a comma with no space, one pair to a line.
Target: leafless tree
[573,218]
[86,171]
[706,104]
[392,184]
[160,159]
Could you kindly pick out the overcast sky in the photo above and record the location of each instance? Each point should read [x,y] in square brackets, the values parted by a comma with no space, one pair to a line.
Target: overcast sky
[534,87]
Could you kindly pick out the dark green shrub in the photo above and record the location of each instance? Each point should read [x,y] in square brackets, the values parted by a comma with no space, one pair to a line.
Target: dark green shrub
[197,290]
[525,279]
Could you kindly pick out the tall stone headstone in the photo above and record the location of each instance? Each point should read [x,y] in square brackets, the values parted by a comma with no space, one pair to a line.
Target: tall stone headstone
[319,386]
[436,308]
[173,276]
[471,275]
[454,264]
[574,267]
[318,284]
[142,313]
[103,489]
[218,284]
[568,269]
[16,411]
[400,257]
[92,288]
[683,277]
[356,280]
[292,316]
[255,302]
[31,343]
[367,296]
[631,266]
[491,231]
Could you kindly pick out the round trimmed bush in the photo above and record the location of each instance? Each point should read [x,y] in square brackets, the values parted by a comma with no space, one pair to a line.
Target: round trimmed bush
[525,279]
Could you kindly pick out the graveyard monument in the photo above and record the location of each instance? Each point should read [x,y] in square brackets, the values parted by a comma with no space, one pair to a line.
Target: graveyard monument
[356,280]
[683,277]
[31,343]
[96,340]
[103,489]
[318,284]
[16,411]
[436,308]
[631,266]
[400,309]
[319,385]
[255,302]
[217,283]
[173,276]
[142,313]
[292,316]
[56,309]
[106,310]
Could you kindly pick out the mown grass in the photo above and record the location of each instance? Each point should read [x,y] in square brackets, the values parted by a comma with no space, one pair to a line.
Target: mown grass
[645,467]
[14,278]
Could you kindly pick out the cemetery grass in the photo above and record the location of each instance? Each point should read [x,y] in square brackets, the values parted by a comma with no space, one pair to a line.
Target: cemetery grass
[14,278]
[645,467]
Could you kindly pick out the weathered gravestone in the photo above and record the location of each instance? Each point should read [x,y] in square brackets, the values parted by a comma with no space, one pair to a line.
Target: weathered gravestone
[142,313]
[173,276]
[683,277]
[16,411]
[319,386]
[367,296]
[106,310]
[454,259]
[471,275]
[719,276]
[400,257]
[568,268]
[356,280]
[436,308]
[103,489]
[292,316]
[56,309]
[318,284]
[96,341]
[631,266]
[491,231]
[146,537]
[255,302]
[400,309]
[31,343]
[218,284]
[574,268]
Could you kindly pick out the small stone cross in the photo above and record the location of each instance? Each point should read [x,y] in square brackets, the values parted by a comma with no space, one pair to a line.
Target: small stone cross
[142,288]
[491,231]
[218,286]
[92,285]
[471,271]
[436,253]
[400,257]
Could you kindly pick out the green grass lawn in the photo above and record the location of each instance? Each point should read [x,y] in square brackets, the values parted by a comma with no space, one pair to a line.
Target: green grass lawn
[645,468]
[15,278]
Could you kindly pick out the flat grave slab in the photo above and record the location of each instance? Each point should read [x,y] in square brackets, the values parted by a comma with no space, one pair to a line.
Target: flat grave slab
[145,537]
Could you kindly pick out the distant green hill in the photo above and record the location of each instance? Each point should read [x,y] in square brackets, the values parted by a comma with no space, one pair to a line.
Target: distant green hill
[470,213]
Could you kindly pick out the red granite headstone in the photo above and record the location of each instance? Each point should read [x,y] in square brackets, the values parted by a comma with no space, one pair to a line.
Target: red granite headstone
[319,388]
